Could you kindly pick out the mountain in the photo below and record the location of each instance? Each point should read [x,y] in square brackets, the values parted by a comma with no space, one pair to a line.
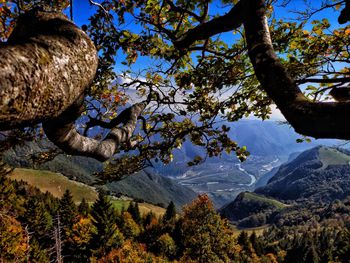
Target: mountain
[271,138]
[320,174]
[299,188]
[247,203]
[145,185]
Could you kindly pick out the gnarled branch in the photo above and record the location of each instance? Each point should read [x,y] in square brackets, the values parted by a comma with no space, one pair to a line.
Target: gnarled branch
[45,68]
[63,133]
[47,64]
[316,119]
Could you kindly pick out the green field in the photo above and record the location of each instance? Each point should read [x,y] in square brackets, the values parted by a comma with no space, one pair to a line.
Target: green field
[262,199]
[331,156]
[57,184]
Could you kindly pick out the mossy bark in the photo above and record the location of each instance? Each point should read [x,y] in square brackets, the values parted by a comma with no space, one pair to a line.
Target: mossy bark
[45,66]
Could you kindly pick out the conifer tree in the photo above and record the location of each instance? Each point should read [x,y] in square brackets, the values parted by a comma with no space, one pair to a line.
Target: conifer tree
[38,219]
[37,254]
[170,212]
[83,208]
[67,210]
[107,235]
[134,211]
[256,244]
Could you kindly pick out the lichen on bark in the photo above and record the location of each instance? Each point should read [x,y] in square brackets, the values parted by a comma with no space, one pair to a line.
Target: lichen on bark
[46,64]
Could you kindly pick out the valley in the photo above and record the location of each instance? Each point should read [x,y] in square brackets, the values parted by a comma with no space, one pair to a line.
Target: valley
[225,179]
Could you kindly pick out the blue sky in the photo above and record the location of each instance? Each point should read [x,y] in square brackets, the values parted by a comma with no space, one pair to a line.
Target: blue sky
[82,10]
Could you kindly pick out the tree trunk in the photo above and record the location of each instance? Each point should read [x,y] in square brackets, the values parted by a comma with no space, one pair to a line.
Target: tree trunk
[45,66]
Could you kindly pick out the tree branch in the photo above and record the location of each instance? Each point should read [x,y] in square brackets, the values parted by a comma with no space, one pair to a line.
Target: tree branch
[316,119]
[45,66]
[63,133]
[313,80]
[230,21]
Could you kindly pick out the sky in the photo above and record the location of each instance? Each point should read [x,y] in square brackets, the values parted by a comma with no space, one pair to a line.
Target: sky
[82,10]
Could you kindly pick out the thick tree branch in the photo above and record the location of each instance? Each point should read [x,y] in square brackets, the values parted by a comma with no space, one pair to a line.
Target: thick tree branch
[316,119]
[45,66]
[63,133]
[230,21]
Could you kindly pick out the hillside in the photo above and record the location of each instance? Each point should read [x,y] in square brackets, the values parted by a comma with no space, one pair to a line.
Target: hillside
[56,184]
[247,203]
[300,188]
[148,186]
[319,174]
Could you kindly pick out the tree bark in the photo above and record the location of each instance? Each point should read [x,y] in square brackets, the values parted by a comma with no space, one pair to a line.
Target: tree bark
[45,66]
[316,119]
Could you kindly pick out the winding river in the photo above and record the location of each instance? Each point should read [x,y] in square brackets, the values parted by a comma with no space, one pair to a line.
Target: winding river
[252,177]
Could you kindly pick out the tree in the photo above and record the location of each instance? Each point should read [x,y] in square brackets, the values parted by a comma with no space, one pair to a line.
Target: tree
[13,243]
[83,208]
[67,210]
[207,237]
[107,235]
[170,212]
[134,211]
[79,238]
[261,67]
[38,219]
[129,227]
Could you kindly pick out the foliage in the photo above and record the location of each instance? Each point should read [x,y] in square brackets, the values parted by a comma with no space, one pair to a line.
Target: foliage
[206,236]
[107,234]
[170,212]
[196,235]
[13,241]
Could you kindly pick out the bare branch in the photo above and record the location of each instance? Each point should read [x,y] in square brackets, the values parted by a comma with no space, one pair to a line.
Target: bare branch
[63,133]
[99,6]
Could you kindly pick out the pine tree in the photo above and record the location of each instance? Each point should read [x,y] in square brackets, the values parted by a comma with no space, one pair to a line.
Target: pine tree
[170,212]
[312,255]
[107,235]
[37,253]
[243,240]
[134,211]
[84,208]
[256,244]
[38,219]
[67,210]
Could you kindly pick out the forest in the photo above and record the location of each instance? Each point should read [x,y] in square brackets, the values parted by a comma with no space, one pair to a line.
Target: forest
[37,227]
[129,83]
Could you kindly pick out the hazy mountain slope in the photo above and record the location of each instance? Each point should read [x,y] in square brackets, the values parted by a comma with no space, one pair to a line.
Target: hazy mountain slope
[152,188]
[247,203]
[321,174]
[316,176]
[156,189]
[74,167]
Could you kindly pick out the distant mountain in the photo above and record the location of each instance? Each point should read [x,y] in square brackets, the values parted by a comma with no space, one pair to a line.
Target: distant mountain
[317,176]
[320,174]
[247,203]
[271,138]
[269,142]
[146,185]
